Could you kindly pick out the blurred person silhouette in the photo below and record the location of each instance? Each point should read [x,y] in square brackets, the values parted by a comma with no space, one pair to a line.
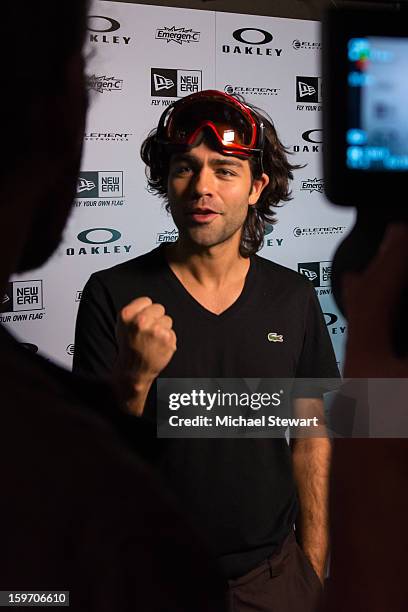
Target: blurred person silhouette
[369,497]
[79,511]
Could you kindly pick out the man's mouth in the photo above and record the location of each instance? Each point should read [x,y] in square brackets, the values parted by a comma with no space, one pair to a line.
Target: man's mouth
[202,215]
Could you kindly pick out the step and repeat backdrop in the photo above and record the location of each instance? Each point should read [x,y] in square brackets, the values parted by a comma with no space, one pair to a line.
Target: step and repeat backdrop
[141,59]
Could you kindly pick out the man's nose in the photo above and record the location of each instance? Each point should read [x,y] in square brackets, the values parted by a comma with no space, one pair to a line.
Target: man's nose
[203,182]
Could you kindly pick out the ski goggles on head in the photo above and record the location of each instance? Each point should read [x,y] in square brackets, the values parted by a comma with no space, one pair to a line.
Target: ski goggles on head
[237,129]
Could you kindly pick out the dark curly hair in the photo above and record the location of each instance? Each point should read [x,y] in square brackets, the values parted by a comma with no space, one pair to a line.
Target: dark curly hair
[275,164]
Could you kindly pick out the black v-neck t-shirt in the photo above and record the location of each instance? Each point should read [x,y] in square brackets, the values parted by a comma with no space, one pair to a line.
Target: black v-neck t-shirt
[240,492]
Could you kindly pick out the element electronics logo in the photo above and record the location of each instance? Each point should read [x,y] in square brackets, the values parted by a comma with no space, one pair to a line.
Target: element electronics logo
[107,136]
[302,45]
[70,349]
[251,91]
[174,83]
[177,35]
[319,273]
[302,232]
[103,83]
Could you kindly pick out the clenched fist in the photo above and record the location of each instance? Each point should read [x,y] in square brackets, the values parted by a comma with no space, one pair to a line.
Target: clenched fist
[146,343]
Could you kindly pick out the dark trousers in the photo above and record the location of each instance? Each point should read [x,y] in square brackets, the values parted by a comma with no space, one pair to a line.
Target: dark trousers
[285,582]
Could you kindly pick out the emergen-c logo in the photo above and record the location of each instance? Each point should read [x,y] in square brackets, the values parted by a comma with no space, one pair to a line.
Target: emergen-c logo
[319,273]
[174,82]
[177,35]
[167,236]
[103,83]
[311,185]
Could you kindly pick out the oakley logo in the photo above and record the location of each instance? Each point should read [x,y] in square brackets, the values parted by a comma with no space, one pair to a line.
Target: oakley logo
[160,82]
[306,90]
[330,317]
[114,235]
[84,185]
[30,347]
[111,26]
[274,337]
[308,273]
[239,36]
[311,136]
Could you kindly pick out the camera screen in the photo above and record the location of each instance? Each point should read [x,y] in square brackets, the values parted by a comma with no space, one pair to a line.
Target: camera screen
[377,129]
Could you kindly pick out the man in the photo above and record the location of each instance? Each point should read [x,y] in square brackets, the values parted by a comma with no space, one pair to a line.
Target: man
[369,498]
[205,307]
[79,511]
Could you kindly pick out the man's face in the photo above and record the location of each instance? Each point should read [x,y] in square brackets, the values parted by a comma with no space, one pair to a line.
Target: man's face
[209,194]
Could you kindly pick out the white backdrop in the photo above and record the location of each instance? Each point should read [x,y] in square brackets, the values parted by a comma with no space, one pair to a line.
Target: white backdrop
[140,59]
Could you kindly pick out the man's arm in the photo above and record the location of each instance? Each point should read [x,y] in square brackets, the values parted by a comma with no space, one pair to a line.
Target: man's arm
[311,466]
[146,343]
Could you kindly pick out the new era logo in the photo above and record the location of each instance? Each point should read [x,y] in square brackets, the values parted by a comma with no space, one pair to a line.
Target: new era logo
[318,272]
[84,185]
[308,89]
[175,82]
[100,184]
[305,89]
[23,296]
[308,273]
[160,82]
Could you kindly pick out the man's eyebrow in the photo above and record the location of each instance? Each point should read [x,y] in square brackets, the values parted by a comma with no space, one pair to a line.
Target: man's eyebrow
[226,162]
[188,157]
[178,157]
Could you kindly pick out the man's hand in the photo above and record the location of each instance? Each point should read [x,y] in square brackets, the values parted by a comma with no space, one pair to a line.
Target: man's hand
[146,343]
[311,462]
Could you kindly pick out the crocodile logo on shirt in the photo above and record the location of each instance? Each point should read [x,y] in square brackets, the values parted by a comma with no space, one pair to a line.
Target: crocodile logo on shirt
[274,337]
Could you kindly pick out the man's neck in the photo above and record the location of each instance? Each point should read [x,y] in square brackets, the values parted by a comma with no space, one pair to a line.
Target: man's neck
[212,267]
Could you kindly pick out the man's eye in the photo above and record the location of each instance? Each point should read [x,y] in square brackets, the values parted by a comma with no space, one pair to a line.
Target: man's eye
[180,170]
[225,172]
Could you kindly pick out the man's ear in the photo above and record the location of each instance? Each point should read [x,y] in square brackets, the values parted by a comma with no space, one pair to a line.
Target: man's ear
[258,185]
